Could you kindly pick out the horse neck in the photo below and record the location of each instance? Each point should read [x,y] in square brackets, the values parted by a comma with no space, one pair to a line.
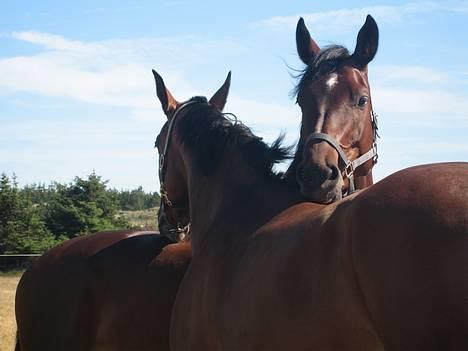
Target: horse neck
[230,204]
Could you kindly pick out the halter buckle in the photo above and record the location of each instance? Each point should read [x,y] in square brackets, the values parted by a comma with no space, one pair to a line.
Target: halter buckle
[349,170]
[161,162]
[164,197]
[376,155]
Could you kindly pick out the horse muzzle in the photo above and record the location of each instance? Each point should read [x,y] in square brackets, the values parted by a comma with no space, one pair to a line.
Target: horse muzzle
[321,184]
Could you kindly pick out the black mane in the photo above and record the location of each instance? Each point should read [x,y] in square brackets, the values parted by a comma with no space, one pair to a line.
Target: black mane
[207,131]
[329,60]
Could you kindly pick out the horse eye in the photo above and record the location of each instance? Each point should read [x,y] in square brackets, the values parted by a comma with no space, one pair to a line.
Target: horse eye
[362,101]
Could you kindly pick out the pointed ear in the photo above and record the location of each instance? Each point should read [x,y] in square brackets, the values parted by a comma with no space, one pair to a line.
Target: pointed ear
[367,42]
[220,97]
[307,48]
[168,103]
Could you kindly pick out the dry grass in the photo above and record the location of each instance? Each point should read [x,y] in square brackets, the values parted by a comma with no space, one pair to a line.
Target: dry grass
[145,219]
[8,283]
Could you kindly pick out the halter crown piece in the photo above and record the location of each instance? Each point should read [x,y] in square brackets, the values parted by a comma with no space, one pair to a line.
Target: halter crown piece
[350,166]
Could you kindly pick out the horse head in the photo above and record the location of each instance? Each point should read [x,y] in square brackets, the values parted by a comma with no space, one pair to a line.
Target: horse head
[339,130]
[174,211]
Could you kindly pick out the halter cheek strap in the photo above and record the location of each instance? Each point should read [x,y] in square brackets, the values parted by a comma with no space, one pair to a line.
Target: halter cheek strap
[162,157]
[165,201]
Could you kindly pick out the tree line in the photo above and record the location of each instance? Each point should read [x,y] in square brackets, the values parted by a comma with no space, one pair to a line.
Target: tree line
[36,217]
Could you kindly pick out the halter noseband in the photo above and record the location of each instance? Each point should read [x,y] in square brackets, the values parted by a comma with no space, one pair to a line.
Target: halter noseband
[165,201]
[350,166]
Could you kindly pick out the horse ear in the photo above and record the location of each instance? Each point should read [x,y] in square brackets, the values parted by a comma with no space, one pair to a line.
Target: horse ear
[220,97]
[307,48]
[168,103]
[367,42]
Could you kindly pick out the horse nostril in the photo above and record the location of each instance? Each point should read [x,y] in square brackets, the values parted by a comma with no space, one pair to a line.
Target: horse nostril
[335,173]
[316,175]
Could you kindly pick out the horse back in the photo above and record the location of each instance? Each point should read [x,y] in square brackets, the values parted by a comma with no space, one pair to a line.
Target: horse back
[410,254]
[54,298]
[134,285]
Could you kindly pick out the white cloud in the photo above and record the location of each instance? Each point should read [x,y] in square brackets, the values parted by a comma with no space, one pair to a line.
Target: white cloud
[113,72]
[342,20]
[56,42]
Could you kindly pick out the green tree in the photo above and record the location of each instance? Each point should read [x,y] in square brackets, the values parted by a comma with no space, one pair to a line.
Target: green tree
[22,227]
[9,212]
[84,206]
[137,199]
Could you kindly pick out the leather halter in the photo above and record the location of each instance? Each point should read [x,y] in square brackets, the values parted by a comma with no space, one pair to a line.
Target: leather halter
[350,166]
[165,201]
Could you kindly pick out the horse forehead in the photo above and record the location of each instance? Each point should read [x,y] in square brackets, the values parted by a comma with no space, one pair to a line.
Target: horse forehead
[331,81]
[353,77]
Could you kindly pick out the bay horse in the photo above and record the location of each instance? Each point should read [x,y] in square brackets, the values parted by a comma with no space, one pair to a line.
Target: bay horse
[380,269]
[337,147]
[109,290]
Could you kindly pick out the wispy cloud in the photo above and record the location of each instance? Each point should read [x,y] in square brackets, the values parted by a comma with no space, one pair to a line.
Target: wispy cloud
[113,72]
[114,75]
[342,20]
[55,42]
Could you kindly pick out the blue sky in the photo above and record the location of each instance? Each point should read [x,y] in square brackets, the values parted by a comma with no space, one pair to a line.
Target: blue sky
[77,93]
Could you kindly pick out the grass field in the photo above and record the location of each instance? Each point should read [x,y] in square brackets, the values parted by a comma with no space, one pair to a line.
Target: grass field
[145,219]
[8,283]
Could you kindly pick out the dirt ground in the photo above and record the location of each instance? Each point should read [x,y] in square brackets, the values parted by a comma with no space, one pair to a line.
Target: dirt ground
[8,283]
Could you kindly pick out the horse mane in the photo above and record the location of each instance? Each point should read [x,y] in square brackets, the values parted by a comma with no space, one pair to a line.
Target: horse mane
[207,131]
[327,61]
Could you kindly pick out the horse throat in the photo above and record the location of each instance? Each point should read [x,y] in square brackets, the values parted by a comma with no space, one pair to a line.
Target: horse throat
[362,182]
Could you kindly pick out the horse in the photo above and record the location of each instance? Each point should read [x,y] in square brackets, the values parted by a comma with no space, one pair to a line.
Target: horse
[337,148]
[103,291]
[108,290]
[378,270]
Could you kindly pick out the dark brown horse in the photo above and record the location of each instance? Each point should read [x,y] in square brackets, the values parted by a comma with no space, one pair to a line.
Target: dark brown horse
[105,291]
[337,145]
[109,290]
[382,269]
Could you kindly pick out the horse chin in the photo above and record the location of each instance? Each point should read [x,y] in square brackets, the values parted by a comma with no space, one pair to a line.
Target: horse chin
[323,194]
[163,227]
